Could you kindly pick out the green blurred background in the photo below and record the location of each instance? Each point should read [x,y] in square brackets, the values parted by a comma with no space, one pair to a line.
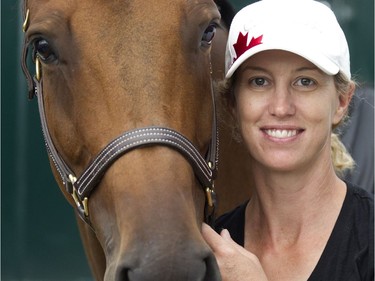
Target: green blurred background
[39,238]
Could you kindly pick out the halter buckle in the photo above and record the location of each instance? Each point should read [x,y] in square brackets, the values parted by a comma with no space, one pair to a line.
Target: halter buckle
[210,206]
[210,195]
[82,205]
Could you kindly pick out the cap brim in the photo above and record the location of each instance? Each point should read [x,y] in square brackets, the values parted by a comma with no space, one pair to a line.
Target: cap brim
[321,61]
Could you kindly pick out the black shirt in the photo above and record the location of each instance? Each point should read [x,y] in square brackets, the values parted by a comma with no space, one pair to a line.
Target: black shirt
[349,253]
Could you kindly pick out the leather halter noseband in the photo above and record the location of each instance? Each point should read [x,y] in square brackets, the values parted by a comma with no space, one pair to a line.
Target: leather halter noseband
[80,188]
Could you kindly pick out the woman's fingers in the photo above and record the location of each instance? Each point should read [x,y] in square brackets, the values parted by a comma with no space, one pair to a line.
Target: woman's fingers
[226,236]
[235,262]
[213,239]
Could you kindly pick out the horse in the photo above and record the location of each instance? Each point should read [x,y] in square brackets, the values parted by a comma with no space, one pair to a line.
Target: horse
[125,96]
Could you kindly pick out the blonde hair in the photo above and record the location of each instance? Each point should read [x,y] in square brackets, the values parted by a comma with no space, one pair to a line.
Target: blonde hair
[341,158]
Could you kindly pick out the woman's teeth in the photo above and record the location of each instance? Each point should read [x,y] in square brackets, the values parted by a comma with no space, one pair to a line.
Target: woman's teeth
[281,134]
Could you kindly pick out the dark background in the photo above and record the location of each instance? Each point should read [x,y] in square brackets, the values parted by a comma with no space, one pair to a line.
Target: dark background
[39,238]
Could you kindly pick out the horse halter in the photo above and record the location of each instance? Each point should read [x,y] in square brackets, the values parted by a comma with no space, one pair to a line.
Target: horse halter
[81,187]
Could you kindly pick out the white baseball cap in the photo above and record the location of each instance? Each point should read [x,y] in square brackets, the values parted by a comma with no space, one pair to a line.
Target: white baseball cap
[305,27]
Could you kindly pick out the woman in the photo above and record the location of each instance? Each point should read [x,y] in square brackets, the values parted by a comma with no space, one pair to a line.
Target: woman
[288,84]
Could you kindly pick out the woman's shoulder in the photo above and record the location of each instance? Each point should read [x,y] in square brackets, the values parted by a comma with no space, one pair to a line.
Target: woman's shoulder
[359,222]
[350,247]
[359,199]
[358,210]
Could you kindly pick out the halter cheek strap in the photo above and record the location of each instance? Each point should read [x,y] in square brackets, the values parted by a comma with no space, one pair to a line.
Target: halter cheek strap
[81,187]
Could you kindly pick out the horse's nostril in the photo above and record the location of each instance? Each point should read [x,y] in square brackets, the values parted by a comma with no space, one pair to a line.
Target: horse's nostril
[212,269]
[122,274]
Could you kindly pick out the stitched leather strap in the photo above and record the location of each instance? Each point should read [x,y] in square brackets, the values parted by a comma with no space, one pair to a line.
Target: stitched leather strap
[81,188]
[62,168]
[137,138]
[204,169]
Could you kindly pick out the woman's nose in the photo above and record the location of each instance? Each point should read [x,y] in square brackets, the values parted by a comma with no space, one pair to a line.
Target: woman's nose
[281,103]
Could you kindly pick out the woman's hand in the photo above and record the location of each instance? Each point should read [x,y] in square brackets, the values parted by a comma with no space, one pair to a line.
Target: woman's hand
[235,263]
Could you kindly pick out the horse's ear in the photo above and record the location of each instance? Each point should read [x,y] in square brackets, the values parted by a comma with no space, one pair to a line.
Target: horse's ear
[227,11]
[25,51]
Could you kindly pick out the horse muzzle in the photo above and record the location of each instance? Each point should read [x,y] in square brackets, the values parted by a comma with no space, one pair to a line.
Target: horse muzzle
[172,262]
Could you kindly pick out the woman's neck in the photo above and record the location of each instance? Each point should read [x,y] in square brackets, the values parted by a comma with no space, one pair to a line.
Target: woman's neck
[286,206]
[289,220]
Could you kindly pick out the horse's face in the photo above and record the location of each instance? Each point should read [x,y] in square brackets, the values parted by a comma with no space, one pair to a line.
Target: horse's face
[111,66]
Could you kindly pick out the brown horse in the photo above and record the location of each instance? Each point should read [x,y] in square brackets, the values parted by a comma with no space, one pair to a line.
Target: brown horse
[104,68]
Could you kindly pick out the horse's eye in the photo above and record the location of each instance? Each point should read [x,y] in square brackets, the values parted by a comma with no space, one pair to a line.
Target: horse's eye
[44,51]
[209,34]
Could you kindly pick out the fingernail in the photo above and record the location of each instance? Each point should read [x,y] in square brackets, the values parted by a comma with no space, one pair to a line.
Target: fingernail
[225,234]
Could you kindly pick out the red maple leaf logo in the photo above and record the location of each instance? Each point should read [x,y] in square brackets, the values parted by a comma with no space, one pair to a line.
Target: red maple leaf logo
[241,45]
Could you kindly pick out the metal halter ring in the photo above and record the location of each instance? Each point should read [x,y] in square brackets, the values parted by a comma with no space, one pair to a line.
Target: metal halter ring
[26,21]
[80,188]
[83,205]
[38,73]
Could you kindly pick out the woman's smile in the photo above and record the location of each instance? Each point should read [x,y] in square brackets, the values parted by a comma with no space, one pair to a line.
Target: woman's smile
[275,133]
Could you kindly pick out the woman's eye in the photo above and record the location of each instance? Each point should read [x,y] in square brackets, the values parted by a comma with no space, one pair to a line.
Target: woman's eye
[209,34]
[258,82]
[43,50]
[305,82]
